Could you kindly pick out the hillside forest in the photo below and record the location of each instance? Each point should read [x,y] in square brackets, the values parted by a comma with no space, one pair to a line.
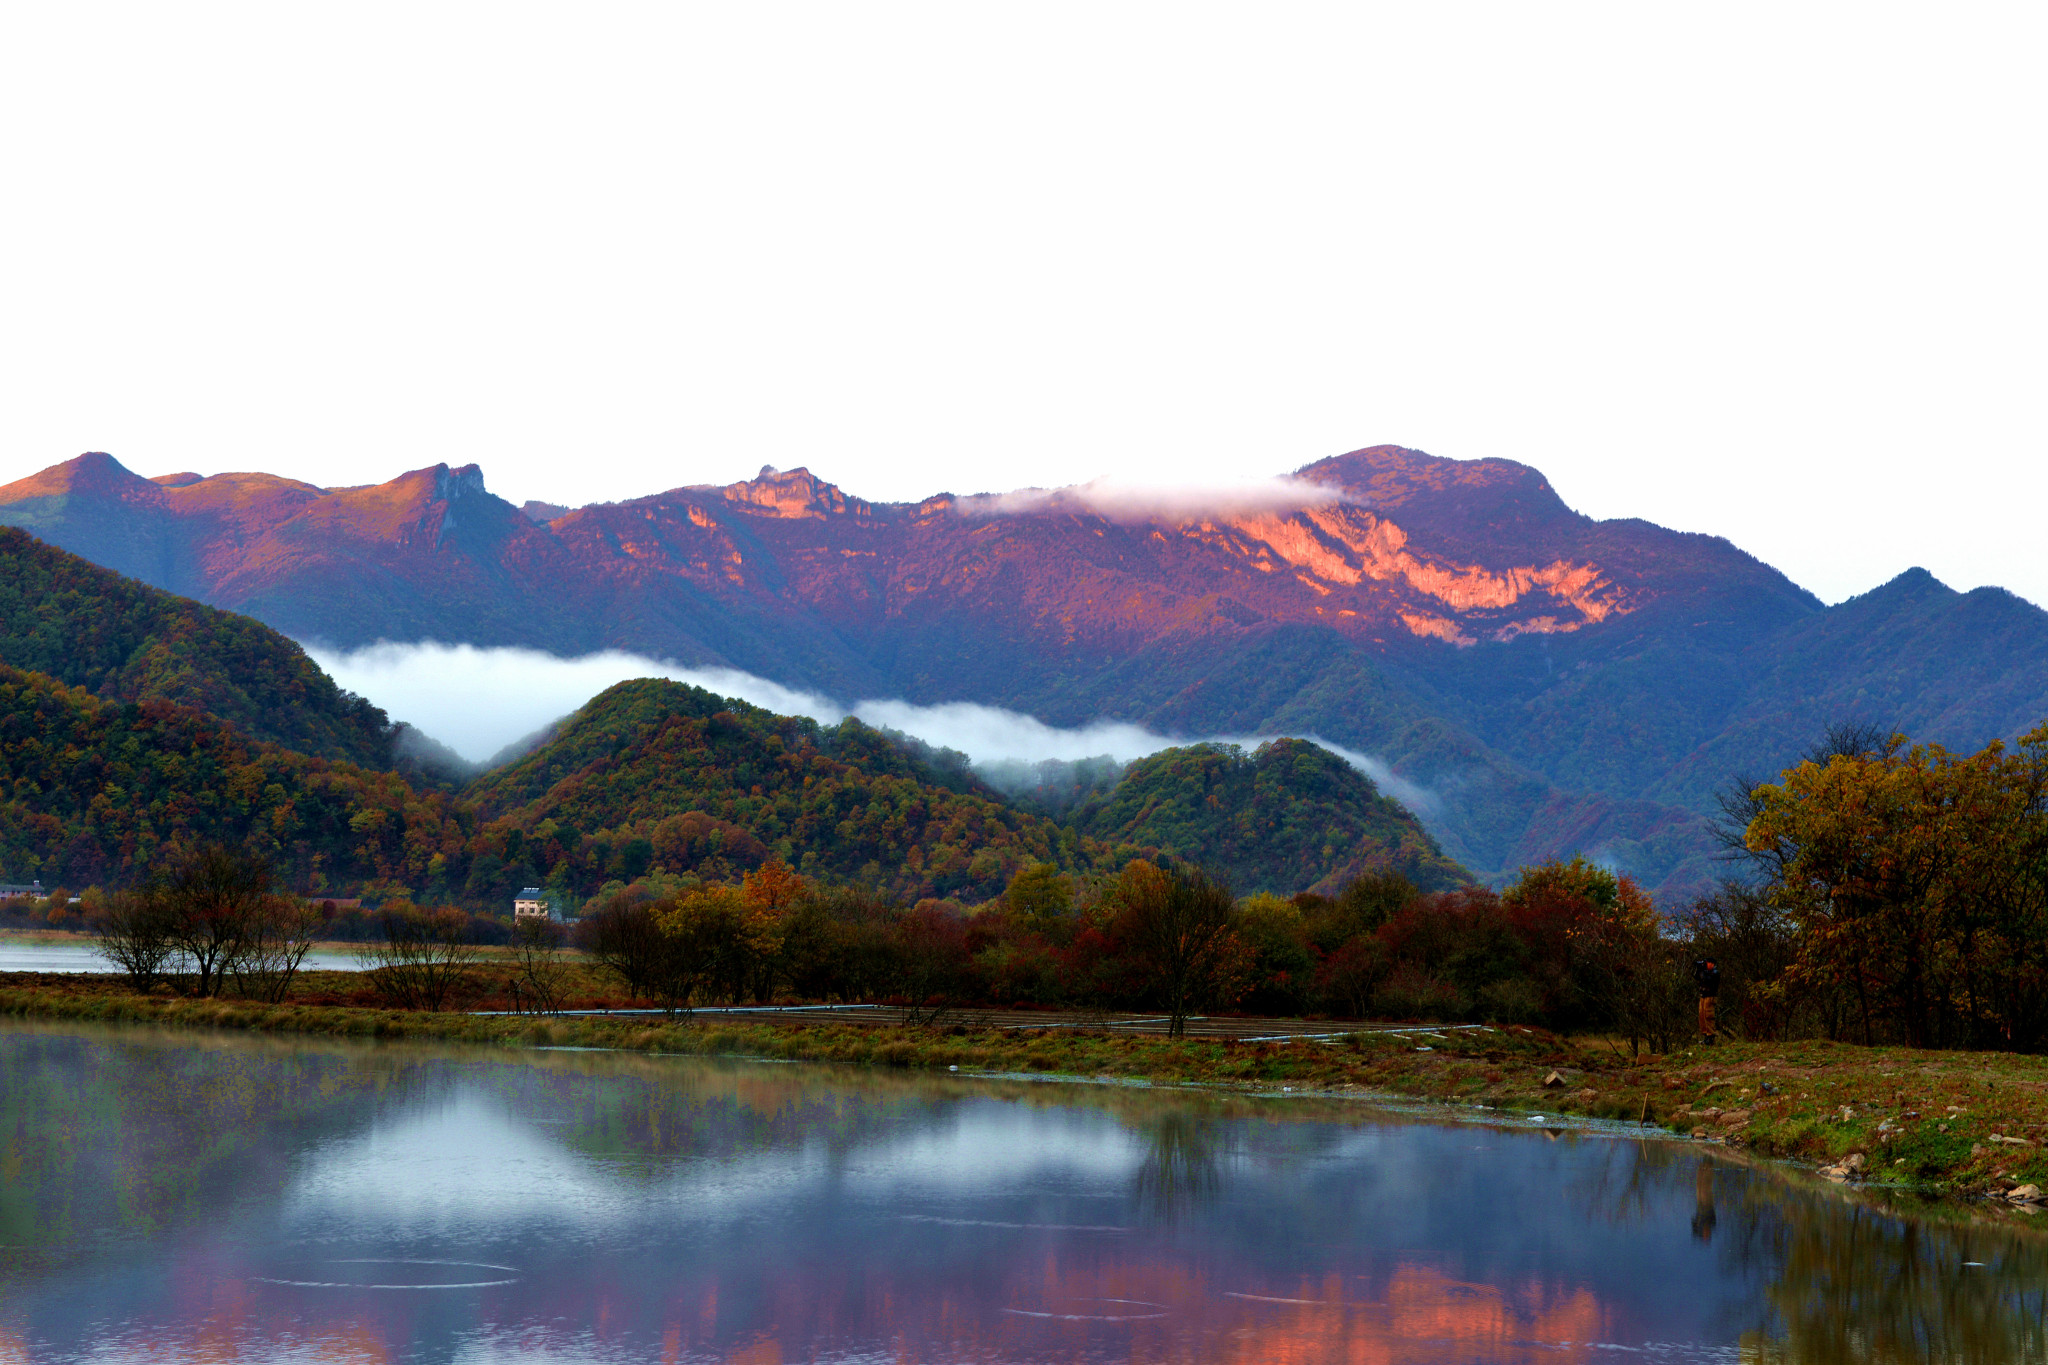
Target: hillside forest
[135,724]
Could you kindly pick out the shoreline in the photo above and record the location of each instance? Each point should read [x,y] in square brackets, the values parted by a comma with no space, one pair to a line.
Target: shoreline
[1939,1123]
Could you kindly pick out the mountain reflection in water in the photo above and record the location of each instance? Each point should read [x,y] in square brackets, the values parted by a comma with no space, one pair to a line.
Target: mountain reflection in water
[201,1198]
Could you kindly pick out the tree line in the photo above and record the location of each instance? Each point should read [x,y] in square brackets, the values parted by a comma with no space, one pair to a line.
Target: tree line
[213,922]
[1565,946]
[1883,891]
[213,919]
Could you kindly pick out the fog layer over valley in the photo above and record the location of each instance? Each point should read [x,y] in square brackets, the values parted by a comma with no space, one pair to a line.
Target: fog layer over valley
[480,702]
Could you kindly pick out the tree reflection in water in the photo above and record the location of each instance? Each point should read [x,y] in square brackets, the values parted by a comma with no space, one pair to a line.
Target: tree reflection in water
[1853,1282]
[1183,1167]
[1849,1276]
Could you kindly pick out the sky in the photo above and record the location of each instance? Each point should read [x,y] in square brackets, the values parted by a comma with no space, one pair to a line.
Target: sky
[1772,271]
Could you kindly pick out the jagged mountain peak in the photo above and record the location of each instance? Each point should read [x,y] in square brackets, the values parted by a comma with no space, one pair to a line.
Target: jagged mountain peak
[432,483]
[1418,548]
[792,494]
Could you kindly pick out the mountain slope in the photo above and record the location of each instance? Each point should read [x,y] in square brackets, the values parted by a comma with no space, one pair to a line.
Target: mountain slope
[1289,817]
[1957,669]
[94,791]
[124,641]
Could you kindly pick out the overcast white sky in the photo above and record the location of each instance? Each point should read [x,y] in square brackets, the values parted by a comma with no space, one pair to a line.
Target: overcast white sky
[1770,271]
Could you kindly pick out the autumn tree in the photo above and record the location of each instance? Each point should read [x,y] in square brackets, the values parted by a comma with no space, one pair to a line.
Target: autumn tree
[623,934]
[930,961]
[1917,880]
[771,895]
[837,944]
[721,943]
[1177,927]
[1039,895]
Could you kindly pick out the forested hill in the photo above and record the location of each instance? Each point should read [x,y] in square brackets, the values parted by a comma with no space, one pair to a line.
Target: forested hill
[649,775]
[95,792]
[657,774]
[660,774]
[186,726]
[122,640]
[1289,817]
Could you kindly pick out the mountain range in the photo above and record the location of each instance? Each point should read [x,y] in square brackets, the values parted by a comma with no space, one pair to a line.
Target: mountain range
[1542,682]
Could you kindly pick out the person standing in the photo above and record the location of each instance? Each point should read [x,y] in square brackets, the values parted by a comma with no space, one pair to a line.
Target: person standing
[1707,977]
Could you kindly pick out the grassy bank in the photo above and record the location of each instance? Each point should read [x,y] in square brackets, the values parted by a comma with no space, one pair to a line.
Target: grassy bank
[1966,1122]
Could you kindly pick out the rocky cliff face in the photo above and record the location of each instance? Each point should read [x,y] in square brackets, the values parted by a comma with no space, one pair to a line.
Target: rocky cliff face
[1560,684]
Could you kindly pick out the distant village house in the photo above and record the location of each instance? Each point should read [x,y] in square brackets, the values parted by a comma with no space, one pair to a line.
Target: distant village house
[14,891]
[533,903]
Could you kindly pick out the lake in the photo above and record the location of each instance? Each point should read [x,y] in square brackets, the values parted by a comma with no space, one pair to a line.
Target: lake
[196,1197]
[78,955]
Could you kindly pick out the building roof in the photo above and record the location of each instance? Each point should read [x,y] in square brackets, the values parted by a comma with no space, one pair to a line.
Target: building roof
[532,893]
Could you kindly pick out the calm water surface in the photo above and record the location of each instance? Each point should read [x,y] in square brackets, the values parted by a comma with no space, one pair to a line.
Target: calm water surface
[45,955]
[183,1197]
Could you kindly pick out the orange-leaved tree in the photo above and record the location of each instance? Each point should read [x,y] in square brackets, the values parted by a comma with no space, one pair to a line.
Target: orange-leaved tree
[1918,883]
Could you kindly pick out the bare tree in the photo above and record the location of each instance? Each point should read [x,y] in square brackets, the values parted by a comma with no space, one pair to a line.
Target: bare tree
[213,898]
[1738,801]
[279,935]
[541,978]
[134,934]
[425,959]
[624,937]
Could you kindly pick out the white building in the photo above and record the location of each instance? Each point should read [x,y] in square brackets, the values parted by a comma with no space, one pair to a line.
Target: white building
[533,903]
